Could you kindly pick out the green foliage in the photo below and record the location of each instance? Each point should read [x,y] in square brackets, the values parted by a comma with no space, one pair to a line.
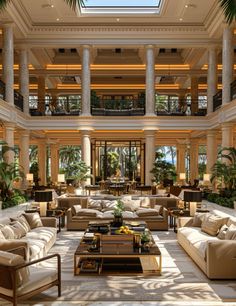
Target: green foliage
[119,208]
[229,9]
[95,100]
[221,200]
[78,171]
[225,173]
[162,169]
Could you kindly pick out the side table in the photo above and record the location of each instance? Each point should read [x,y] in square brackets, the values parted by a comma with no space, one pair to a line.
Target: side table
[175,214]
[59,215]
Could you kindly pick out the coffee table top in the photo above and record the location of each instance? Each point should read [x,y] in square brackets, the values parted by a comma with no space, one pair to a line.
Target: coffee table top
[114,245]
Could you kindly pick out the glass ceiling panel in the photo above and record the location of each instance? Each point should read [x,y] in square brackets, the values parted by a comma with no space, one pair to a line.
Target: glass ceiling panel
[122,3]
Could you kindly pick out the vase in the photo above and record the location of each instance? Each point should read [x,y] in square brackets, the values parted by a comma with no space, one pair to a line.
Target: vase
[117,221]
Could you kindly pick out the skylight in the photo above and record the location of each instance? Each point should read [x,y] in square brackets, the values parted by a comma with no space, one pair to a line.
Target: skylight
[121,7]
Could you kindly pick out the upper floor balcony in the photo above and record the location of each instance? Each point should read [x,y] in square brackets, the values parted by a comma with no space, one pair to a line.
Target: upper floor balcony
[18,98]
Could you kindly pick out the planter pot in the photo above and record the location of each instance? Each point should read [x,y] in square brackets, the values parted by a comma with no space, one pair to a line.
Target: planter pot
[117,221]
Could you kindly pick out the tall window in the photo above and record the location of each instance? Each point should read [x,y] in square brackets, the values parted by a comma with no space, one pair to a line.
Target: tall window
[202,160]
[169,153]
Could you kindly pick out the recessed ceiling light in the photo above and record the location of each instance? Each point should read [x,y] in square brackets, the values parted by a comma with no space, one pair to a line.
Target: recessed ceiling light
[117,19]
[58,19]
[180,19]
[186,5]
[47,6]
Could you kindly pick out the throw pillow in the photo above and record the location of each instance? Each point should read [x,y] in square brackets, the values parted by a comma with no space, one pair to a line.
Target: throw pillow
[23,222]
[8,232]
[33,219]
[159,208]
[75,209]
[131,205]
[83,212]
[211,224]
[147,212]
[145,202]
[18,229]
[222,232]
[95,204]
[108,205]
[198,218]
[2,237]
[9,259]
[231,233]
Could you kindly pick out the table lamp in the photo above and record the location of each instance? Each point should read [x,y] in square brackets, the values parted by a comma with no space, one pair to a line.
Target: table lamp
[206,179]
[60,180]
[193,197]
[43,197]
[182,177]
[30,178]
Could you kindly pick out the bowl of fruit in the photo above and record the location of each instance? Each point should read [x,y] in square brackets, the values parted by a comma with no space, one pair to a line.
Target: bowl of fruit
[124,229]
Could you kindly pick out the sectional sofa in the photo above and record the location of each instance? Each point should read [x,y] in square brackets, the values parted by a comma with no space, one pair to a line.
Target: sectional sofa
[210,240]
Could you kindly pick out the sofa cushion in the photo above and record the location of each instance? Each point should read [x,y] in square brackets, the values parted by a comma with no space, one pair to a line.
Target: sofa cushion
[8,232]
[18,228]
[4,221]
[131,205]
[108,205]
[125,215]
[198,218]
[33,219]
[146,212]
[222,231]
[37,247]
[231,232]
[85,212]
[95,204]
[10,259]
[146,202]
[42,233]
[2,237]
[75,209]
[23,222]
[159,208]
[211,224]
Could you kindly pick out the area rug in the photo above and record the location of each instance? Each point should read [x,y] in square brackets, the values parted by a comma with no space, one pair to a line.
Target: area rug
[181,279]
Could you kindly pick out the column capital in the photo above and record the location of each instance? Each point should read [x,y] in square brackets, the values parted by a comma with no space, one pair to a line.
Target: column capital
[211,132]
[89,47]
[7,24]
[23,48]
[149,47]
[86,132]
[150,133]
[226,125]
[9,125]
[24,133]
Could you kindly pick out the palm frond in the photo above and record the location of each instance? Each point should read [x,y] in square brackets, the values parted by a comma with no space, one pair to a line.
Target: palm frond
[74,3]
[3,4]
[229,9]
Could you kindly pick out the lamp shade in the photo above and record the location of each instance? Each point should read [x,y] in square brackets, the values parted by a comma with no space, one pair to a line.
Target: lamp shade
[61,178]
[29,176]
[182,176]
[192,196]
[206,177]
[43,196]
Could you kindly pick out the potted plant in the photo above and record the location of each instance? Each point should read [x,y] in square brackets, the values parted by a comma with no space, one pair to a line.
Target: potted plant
[78,172]
[118,218]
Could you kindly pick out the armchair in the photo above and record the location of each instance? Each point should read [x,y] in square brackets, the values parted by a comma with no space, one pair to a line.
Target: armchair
[20,280]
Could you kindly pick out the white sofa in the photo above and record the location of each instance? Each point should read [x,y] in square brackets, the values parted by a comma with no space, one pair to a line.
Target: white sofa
[32,244]
[216,257]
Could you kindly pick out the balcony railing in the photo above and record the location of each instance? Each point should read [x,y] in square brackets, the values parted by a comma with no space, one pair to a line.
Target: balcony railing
[115,107]
[233,90]
[58,107]
[217,100]
[181,108]
[18,101]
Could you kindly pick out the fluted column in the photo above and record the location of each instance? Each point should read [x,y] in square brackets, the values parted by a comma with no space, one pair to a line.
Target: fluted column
[24,78]
[86,149]
[193,160]
[8,62]
[227,135]
[150,81]
[24,154]
[181,150]
[85,81]
[9,138]
[149,154]
[228,63]
[211,78]
[54,162]
[211,149]
[41,93]
[42,151]
[194,95]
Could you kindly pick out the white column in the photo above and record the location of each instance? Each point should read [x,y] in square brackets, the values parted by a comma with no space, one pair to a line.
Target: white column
[86,149]
[149,155]
[42,151]
[9,138]
[228,63]
[227,135]
[211,78]
[193,160]
[8,62]
[24,153]
[211,149]
[85,81]
[24,78]
[150,81]
[54,162]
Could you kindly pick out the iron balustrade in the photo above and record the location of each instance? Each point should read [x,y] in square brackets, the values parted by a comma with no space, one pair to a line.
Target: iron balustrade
[18,101]
[167,107]
[217,100]
[2,90]
[58,107]
[115,107]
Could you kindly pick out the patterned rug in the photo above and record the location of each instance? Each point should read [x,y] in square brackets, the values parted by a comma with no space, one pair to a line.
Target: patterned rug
[181,279]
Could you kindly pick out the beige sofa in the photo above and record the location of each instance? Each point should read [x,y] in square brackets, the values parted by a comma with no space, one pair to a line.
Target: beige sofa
[154,222]
[216,257]
[32,241]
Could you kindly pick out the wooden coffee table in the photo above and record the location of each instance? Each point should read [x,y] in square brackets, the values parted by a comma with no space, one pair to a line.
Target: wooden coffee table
[120,258]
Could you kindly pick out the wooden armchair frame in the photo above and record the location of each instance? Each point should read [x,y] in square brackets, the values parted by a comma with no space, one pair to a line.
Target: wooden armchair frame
[12,280]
